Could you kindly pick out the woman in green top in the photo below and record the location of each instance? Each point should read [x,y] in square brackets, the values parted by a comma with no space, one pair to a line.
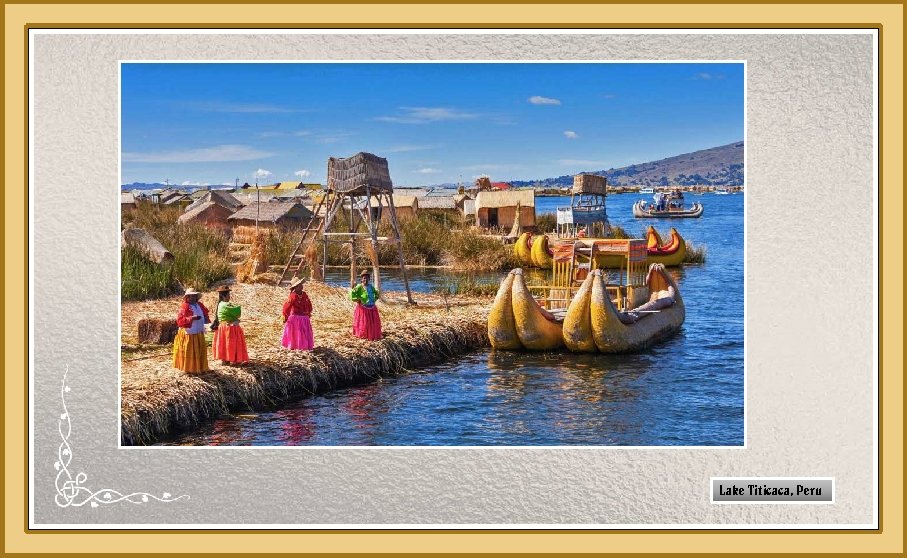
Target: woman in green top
[366,320]
[229,343]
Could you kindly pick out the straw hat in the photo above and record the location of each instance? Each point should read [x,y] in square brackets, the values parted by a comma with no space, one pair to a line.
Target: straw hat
[191,291]
[296,281]
[223,289]
[365,272]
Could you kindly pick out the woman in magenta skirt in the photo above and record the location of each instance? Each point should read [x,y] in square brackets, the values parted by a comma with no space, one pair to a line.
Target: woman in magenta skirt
[297,312]
[366,320]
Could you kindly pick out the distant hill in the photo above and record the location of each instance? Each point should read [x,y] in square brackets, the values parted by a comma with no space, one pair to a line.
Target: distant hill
[162,186]
[717,166]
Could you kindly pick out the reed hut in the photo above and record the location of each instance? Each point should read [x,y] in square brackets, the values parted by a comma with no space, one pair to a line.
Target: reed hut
[207,213]
[406,206]
[127,201]
[219,197]
[497,208]
[276,214]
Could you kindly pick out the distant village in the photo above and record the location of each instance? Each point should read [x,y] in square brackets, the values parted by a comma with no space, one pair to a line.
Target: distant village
[492,205]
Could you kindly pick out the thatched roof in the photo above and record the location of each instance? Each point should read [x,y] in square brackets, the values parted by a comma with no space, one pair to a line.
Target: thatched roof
[469,207]
[437,202]
[127,198]
[353,174]
[221,198]
[415,192]
[208,208]
[272,211]
[505,198]
[403,200]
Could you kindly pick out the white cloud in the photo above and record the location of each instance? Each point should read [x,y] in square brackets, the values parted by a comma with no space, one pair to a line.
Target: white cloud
[216,154]
[189,183]
[424,115]
[570,134]
[428,170]
[539,100]
[262,173]
[705,76]
[303,173]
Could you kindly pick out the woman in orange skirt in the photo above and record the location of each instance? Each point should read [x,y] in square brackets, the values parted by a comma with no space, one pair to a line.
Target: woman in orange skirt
[366,320]
[190,352]
[229,344]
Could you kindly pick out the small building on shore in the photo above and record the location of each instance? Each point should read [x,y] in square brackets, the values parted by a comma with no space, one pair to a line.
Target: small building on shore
[273,214]
[208,213]
[497,208]
[127,201]
[219,197]
[405,205]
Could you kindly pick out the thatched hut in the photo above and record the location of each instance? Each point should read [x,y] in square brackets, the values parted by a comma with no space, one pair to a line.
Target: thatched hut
[209,213]
[219,197]
[406,206]
[127,201]
[497,209]
[274,214]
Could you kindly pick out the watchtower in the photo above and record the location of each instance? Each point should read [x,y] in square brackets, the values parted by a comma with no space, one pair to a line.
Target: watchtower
[587,208]
[362,185]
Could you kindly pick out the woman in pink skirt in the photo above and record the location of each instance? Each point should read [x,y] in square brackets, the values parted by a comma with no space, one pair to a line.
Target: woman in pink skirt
[297,310]
[366,320]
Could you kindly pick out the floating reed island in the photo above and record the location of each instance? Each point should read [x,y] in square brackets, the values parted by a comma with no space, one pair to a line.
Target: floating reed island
[158,400]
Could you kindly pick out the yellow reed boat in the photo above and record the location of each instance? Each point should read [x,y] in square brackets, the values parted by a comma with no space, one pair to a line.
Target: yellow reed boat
[587,309]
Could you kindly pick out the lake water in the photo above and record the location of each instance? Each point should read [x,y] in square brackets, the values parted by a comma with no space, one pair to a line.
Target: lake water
[686,391]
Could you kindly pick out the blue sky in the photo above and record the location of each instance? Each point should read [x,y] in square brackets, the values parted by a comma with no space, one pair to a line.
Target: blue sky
[198,124]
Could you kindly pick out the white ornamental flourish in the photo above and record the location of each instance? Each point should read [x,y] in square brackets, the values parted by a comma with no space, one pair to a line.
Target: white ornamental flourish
[70,491]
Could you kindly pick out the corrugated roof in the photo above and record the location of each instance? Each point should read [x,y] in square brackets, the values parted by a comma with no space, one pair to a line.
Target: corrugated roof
[505,198]
[270,211]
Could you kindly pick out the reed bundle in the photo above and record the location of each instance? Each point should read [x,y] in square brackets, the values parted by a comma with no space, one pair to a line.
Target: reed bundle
[158,400]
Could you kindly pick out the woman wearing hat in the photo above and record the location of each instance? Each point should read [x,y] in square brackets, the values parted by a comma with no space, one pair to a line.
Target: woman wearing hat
[297,312]
[366,320]
[229,344]
[190,352]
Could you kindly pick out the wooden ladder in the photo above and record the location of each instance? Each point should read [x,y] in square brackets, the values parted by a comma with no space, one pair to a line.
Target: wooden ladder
[297,257]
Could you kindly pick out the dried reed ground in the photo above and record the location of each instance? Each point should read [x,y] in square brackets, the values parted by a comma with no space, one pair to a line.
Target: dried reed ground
[158,400]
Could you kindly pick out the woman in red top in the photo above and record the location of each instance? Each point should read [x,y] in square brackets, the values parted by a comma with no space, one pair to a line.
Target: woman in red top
[297,331]
[190,351]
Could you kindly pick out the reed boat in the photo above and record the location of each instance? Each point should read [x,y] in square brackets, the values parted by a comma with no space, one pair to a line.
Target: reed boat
[517,321]
[594,323]
[541,253]
[641,210]
[639,309]
[670,253]
[522,249]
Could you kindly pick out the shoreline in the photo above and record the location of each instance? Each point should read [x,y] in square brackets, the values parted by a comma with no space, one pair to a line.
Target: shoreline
[159,401]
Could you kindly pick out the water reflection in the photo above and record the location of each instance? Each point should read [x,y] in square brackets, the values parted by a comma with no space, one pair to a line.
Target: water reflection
[685,390]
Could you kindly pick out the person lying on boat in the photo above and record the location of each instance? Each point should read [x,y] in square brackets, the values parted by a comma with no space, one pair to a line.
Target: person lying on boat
[366,320]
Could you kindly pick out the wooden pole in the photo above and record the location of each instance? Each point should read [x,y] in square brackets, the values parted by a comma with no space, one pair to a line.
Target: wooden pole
[396,227]
[352,247]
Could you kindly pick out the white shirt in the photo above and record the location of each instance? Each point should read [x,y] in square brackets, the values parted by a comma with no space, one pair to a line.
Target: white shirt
[198,326]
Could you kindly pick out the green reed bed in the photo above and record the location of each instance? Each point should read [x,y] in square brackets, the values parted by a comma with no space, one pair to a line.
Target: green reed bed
[201,255]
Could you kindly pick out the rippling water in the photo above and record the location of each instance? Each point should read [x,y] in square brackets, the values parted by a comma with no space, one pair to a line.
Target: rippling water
[688,390]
